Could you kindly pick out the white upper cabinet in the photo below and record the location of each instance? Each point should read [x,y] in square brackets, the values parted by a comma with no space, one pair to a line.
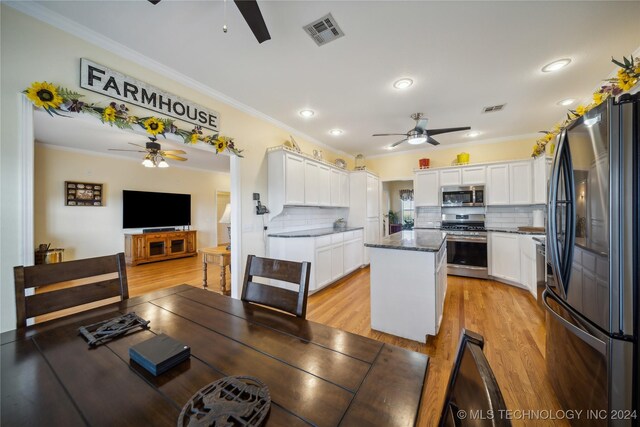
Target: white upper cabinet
[541,167]
[322,186]
[450,177]
[473,175]
[426,188]
[344,189]
[339,186]
[294,180]
[497,188]
[311,179]
[520,188]
[373,196]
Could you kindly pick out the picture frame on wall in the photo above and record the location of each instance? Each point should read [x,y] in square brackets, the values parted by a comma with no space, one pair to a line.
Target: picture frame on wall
[83,194]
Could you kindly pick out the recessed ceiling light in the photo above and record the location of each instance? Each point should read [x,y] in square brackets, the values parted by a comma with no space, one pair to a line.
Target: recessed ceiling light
[307,113]
[566,102]
[402,83]
[556,65]
[472,134]
[336,132]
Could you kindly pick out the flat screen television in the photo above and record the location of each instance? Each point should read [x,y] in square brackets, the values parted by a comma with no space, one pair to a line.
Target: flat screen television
[146,209]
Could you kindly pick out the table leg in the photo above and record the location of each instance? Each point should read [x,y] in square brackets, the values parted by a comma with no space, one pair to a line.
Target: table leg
[223,278]
[204,271]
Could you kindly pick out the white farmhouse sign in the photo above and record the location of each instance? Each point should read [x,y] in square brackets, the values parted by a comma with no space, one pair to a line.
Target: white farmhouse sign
[113,84]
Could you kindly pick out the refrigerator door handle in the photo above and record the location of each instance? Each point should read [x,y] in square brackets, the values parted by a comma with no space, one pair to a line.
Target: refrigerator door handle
[599,345]
[552,231]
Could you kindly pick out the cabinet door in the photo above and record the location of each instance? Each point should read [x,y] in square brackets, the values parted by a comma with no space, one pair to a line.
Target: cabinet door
[139,248]
[156,247]
[373,196]
[505,256]
[335,188]
[352,255]
[450,177]
[473,175]
[323,267]
[540,180]
[323,186]
[426,189]
[191,242]
[520,188]
[497,188]
[337,261]
[294,182]
[344,189]
[311,184]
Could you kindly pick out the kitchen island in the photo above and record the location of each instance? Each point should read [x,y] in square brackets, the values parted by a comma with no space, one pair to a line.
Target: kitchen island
[408,283]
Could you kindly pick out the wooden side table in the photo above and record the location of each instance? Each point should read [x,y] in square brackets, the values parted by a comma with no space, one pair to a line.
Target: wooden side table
[221,257]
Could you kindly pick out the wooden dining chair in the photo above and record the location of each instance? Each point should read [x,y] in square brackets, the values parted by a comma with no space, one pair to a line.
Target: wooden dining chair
[473,396]
[282,299]
[98,279]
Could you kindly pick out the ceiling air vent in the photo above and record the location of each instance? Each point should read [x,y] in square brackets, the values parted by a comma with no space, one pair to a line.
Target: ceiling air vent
[493,108]
[324,30]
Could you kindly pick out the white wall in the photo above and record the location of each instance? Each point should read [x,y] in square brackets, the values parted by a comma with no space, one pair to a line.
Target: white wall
[88,231]
[31,51]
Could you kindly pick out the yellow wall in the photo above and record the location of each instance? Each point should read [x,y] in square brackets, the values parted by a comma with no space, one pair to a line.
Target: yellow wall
[401,165]
[89,231]
[31,51]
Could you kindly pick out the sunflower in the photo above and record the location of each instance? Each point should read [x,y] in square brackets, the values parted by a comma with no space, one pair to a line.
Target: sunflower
[153,126]
[221,145]
[580,110]
[109,114]
[44,95]
[193,138]
[598,97]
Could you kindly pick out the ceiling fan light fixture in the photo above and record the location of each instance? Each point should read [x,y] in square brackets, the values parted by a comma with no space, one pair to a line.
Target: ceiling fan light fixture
[148,163]
[403,83]
[556,65]
[417,140]
[163,163]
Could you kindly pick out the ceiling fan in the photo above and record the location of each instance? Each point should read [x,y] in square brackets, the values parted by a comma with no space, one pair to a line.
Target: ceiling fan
[155,156]
[420,134]
[251,13]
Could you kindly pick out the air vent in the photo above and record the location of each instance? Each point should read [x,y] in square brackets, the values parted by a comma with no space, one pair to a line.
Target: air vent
[324,30]
[493,108]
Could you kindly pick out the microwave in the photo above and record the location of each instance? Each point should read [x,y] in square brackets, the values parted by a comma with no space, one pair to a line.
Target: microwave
[462,196]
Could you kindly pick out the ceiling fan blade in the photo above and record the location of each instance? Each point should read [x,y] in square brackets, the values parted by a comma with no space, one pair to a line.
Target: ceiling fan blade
[134,151]
[389,134]
[174,152]
[137,145]
[172,157]
[251,13]
[154,1]
[421,125]
[398,143]
[432,141]
[446,130]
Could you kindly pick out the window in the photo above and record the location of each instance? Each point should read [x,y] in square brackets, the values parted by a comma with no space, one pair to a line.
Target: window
[407,213]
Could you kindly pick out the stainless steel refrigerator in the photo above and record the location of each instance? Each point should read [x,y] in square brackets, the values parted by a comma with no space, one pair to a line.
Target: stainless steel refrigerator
[592,294]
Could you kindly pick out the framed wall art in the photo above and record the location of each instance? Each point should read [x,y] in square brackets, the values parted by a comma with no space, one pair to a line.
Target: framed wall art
[83,194]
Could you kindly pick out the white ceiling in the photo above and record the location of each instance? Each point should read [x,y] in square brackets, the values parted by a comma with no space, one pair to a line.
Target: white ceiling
[87,133]
[462,56]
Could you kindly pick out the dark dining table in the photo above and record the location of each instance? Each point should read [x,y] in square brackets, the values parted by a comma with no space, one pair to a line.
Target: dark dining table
[316,375]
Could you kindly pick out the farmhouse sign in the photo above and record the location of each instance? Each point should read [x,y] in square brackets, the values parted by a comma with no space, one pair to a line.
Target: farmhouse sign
[113,84]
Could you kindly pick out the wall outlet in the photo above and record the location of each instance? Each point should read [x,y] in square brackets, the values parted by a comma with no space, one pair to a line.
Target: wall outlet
[256,196]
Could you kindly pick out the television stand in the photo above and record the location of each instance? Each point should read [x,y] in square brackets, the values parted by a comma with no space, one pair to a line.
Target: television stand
[155,246]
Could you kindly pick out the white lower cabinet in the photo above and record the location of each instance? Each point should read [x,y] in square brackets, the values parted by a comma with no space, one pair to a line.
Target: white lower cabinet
[331,256]
[528,265]
[504,262]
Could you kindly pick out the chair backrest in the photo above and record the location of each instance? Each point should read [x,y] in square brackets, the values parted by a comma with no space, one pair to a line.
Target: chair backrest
[473,396]
[93,286]
[286,271]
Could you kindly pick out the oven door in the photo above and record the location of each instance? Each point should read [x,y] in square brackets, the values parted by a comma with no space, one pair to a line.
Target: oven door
[467,256]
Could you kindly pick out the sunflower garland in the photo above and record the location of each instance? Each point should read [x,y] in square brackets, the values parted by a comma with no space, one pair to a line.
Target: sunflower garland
[626,78]
[56,100]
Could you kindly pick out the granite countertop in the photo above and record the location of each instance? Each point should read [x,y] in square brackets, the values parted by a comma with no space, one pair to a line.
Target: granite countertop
[412,240]
[495,229]
[316,232]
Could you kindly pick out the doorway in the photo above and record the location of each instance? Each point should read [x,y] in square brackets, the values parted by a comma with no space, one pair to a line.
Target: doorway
[400,213]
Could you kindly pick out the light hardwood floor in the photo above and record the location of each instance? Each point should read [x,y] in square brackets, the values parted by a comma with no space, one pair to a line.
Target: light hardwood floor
[508,318]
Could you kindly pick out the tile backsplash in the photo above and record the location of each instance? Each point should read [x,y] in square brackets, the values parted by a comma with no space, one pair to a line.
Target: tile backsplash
[495,216]
[428,217]
[294,218]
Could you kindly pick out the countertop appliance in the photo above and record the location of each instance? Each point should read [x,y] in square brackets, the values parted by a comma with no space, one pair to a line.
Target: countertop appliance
[458,196]
[466,244]
[592,294]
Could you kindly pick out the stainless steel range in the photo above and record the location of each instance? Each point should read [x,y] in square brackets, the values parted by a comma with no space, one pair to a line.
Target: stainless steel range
[466,244]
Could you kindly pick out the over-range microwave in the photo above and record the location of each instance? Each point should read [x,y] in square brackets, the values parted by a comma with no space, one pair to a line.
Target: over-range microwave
[462,195]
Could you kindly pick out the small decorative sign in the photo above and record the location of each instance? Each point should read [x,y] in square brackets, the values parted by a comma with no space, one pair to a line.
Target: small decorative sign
[113,84]
[83,194]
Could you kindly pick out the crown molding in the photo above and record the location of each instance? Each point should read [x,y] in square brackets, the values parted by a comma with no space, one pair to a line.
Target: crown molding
[459,144]
[46,15]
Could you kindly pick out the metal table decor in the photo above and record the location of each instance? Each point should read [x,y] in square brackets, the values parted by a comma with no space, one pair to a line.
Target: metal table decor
[229,401]
[107,330]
